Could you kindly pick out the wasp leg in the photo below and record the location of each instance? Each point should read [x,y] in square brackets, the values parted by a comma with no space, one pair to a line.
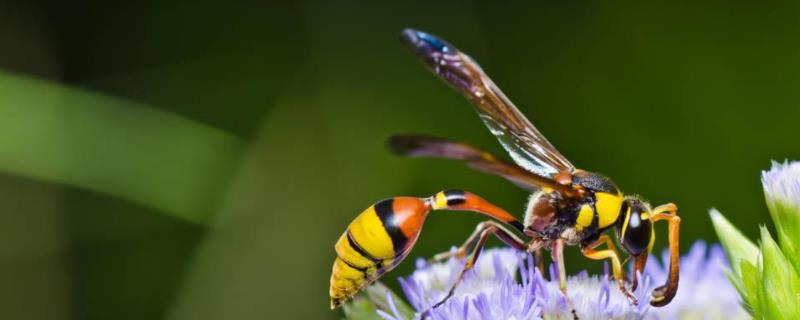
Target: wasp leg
[638,269]
[539,260]
[484,230]
[465,248]
[557,254]
[461,251]
[382,236]
[611,254]
[663,295]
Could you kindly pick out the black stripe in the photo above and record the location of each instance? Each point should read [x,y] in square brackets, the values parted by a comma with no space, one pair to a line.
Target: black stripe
[596,217]
[360,250]
[455,197]
[385,211]
[362,270]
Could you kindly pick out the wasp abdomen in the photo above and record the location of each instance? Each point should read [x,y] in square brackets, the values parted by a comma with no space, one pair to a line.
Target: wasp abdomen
[376,241]
[381,236]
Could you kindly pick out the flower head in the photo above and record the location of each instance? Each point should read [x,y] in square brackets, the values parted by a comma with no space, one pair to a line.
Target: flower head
[782,190]
[506,285]
[767,274]
[782,183]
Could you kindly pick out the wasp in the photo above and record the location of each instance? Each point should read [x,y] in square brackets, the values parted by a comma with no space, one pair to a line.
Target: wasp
[567,206]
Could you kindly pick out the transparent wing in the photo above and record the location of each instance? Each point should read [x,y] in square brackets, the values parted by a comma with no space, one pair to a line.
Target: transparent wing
[529,148]
[412,145]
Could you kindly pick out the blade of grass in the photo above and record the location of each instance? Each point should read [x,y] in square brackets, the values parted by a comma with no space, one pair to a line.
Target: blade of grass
[74,137]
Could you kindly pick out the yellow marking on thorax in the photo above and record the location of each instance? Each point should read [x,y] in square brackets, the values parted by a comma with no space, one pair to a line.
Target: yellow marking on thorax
[585,217]
[608,206]
[368,232]
[547,190]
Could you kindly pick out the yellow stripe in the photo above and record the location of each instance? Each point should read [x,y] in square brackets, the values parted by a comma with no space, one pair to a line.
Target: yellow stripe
[608,206]
[345,280]
[584,217]
[368,232]
[342,270]
[351,255]
[441,201]
[652,239]
[388,264]
[625,224]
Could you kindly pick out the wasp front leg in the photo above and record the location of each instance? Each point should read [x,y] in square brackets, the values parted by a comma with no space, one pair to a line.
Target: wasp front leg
[638,270]
[382,236]
[611,254]
[663,295]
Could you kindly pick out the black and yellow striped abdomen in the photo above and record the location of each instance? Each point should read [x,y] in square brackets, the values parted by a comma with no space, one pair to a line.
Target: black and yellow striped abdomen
[378,239]
[381,236]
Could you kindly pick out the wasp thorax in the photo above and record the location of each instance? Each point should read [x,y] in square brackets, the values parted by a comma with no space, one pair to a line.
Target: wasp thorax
[634,228]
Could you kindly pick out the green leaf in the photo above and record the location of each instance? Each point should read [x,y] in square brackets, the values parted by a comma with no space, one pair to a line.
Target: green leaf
[780,283]
[83,139]
[751,288]
[736,245]
[785,214]
[790,247]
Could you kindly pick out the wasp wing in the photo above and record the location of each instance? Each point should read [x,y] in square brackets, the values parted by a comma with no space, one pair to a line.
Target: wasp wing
[529,148]
[428,146]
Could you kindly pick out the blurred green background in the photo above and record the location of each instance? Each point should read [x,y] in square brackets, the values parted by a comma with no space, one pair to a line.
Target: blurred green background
[193,160]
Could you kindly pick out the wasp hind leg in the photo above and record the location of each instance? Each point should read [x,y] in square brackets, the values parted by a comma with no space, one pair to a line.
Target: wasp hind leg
[462,251]
[475,244]
[611,254]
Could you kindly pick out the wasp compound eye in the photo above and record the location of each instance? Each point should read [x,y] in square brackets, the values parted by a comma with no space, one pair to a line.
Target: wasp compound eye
[635,230]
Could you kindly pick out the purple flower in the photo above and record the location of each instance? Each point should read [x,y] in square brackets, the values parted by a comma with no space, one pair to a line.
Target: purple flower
[506,285]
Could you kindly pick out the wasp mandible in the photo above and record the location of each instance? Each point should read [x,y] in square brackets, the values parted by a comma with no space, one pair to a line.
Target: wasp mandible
[567,207]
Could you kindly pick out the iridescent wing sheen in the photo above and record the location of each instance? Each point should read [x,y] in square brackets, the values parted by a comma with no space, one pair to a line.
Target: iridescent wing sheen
[427,146]
[526,145]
